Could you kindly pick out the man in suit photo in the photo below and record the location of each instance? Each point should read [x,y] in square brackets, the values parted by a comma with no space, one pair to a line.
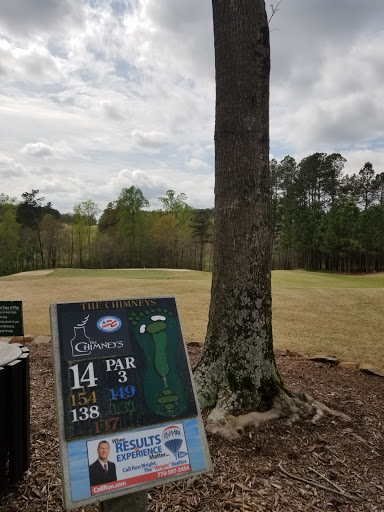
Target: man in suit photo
[102,471]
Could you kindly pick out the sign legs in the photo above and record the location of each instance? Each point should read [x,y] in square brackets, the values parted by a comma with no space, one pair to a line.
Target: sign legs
[135,502]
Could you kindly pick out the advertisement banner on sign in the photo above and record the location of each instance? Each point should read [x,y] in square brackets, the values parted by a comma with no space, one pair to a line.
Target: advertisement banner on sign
[135,458]
[127,409]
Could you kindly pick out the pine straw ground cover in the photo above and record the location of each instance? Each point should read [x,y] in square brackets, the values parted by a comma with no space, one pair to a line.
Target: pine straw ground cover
[334,465]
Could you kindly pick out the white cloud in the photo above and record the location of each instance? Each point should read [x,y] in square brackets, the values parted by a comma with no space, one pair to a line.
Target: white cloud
[149,140]
[358,157]
[148,181]
[155,182]
[327,94]
[114,93]
[38,149]
[59,186]
[33,63]
[9,168]
[196,163]
[26,17]
[44,150]
[111,110]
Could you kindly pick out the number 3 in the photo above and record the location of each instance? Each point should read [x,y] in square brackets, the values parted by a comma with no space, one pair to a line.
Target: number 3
[122,376]
[83,413]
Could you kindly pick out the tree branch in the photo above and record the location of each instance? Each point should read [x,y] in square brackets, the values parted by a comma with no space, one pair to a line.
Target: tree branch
[275,9]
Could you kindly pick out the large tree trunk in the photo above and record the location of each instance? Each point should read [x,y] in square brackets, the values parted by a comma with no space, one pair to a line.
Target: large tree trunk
[237,372]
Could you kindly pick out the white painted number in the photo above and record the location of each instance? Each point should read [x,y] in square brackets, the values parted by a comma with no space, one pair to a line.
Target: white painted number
[122,376]
[88,376]
[85,413]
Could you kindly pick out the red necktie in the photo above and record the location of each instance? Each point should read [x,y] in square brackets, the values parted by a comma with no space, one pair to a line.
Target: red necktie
[105,468]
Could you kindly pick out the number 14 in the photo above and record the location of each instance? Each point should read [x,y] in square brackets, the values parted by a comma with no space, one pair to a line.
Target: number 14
[88,376]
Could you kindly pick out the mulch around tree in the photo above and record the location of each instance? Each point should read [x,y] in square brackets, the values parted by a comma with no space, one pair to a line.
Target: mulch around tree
[333,465]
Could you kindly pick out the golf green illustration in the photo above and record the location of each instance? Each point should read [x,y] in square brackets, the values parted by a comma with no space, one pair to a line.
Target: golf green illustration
[156,331]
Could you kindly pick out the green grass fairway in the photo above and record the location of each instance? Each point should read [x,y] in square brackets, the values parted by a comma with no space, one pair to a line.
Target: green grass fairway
[150,273]
[313,312]
[339,315]
[305,279]
[191,289]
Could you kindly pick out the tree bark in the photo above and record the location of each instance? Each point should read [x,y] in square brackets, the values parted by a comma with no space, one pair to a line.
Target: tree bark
[237,372]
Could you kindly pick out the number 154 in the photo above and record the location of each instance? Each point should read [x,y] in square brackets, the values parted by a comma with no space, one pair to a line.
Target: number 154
[82,398]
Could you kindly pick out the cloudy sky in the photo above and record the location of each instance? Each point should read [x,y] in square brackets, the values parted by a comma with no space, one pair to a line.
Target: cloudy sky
[98,95]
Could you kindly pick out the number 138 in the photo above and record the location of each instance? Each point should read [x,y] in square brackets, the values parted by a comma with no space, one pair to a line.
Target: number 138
[84,413]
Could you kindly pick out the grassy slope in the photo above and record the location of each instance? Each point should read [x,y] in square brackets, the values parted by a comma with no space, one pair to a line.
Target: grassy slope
[312,312]
[336,314]
[191,289]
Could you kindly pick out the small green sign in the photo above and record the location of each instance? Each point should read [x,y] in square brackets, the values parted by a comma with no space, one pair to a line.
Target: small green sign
[11,318]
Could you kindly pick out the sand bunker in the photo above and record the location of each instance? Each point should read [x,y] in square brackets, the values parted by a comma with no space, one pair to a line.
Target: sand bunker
[34,273]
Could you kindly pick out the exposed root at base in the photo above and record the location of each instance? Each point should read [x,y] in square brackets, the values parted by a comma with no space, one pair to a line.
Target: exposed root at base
[290,407]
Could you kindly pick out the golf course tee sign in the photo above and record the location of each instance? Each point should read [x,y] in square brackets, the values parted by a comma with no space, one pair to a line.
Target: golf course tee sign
[127,409]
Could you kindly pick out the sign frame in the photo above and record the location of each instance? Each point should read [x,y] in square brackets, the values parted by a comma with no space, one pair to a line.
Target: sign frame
[187,426]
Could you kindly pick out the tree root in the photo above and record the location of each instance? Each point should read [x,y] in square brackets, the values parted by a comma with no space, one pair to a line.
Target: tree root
[291,407]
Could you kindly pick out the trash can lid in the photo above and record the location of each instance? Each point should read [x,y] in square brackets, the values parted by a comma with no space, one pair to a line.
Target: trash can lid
[8,353]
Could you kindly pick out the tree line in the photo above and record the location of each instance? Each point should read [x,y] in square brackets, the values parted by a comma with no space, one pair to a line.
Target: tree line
[34,235]
[321,219]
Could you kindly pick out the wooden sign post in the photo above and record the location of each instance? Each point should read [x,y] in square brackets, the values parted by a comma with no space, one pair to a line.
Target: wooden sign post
[127,409]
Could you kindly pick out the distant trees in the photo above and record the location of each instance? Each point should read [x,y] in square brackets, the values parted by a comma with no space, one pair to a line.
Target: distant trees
[55,240]
[166,235]
[9,234]
[84,217]
[30,212]
[201,224]
[34,235]
[176,206]
[130,235]
[321,219]
[130,205]
[324,220]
